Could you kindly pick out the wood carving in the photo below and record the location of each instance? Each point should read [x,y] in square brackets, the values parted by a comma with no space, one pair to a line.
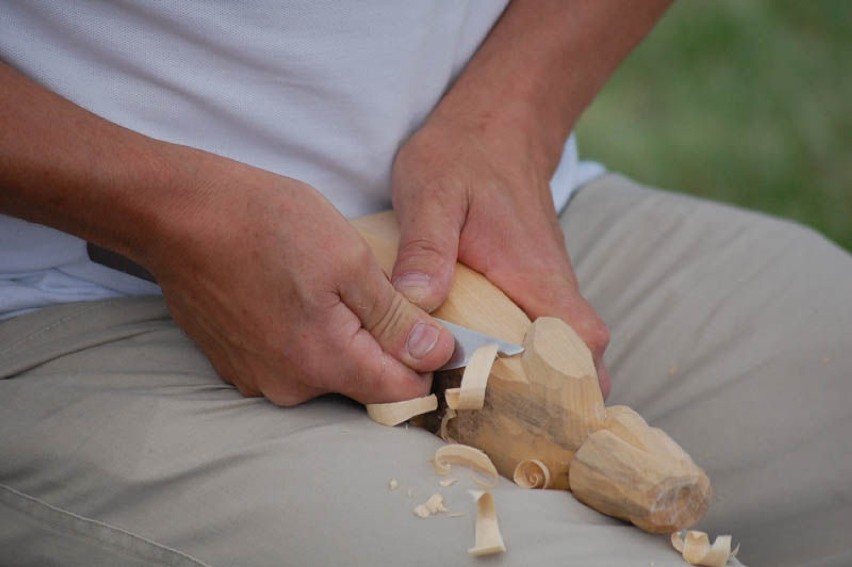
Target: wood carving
[545,406]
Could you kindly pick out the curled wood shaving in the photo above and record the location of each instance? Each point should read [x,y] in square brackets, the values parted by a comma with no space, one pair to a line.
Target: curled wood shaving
[448,415]
[532,473]
[458,454]
[395,413]
[471,394]
[488,540]
[435,505]
[696,549]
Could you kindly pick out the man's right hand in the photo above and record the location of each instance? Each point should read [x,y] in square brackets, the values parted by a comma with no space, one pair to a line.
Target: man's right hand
[284,296]
[260,270]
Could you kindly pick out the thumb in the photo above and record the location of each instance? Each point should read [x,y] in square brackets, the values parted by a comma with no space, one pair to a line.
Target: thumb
[426,259]
[401,329]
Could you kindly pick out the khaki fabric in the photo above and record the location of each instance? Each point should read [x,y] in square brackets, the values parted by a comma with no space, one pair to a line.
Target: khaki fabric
[731,331]
[120,446]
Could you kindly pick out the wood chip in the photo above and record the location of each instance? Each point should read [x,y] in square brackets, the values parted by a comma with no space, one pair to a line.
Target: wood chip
[489,540]
[532,473]
[465,455]
[696,549]
[395,413]
[435,505]
[443,434]
[471,394]
[393,484]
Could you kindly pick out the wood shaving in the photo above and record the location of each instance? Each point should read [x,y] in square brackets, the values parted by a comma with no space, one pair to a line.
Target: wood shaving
[435,505]
[448,482]
[696,549]
[532,473]
[488,540]
[395,413]
[471,394]
[445,420]
[471,457]
[393,484]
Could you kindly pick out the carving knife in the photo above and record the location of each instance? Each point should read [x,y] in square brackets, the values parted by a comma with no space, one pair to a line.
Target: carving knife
[468,340]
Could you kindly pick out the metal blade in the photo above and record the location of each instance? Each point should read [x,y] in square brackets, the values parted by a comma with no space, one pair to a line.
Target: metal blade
[468,340]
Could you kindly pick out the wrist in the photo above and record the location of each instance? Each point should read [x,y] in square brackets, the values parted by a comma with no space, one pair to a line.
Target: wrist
[179,206]
[516,90]
[506,127]
[541,66]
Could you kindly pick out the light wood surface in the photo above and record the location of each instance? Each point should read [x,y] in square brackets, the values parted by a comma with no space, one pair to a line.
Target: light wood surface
[545,405]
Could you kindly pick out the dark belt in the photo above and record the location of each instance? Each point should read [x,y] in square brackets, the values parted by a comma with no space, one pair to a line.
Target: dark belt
[118,262]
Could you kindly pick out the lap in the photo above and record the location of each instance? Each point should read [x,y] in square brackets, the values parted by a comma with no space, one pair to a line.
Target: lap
[119,441]
[731,331]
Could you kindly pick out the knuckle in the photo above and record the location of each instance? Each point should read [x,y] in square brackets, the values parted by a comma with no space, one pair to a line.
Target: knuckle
[422,248]
[390,320]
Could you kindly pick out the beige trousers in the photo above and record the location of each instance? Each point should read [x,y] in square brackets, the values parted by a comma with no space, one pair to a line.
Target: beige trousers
[732,331]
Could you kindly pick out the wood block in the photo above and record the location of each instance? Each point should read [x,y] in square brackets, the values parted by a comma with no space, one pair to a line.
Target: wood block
[546,405]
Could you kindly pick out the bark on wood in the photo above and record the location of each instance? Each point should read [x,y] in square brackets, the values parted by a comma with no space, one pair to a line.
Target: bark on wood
[546,405]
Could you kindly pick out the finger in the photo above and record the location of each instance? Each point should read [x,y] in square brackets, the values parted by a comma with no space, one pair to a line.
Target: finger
[343,357]
[572,308]
[547,287]
[428,248]
[586,321]
[399,327]
[374,376]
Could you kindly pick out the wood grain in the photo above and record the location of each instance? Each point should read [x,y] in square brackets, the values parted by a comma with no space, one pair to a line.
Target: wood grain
[546,405]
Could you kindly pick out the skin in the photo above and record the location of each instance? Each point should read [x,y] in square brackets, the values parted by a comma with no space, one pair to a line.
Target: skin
[264,274]
[472,183]
[267,277]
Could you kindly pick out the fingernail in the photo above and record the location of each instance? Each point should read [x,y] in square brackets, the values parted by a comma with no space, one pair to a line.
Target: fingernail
[413,285]
[422,339]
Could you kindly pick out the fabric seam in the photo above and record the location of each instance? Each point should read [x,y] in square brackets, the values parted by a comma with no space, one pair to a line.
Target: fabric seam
[42,330]
[84,309]
[82,526]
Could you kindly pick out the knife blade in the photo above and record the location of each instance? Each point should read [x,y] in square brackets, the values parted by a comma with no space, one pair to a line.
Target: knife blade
[468,340]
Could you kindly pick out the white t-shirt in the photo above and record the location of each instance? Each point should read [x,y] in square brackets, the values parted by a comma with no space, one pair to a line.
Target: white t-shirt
[320,90]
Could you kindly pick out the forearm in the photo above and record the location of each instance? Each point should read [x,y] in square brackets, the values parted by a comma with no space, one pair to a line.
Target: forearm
[65,167]
[543,63]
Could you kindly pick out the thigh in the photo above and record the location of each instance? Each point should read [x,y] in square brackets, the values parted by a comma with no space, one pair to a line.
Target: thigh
[120,445]
[732,331]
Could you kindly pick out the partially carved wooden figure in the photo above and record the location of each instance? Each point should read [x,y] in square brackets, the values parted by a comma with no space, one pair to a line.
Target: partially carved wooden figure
[545,407]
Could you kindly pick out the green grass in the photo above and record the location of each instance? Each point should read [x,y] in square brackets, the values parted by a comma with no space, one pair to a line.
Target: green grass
[743,101]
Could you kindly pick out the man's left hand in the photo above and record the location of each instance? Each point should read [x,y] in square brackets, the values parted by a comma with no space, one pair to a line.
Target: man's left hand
[473,195]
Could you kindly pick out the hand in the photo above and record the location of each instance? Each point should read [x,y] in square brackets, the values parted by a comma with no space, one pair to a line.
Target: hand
[285,298]
[463,193]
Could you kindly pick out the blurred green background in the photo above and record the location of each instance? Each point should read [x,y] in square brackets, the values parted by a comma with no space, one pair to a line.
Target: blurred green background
[743,101]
